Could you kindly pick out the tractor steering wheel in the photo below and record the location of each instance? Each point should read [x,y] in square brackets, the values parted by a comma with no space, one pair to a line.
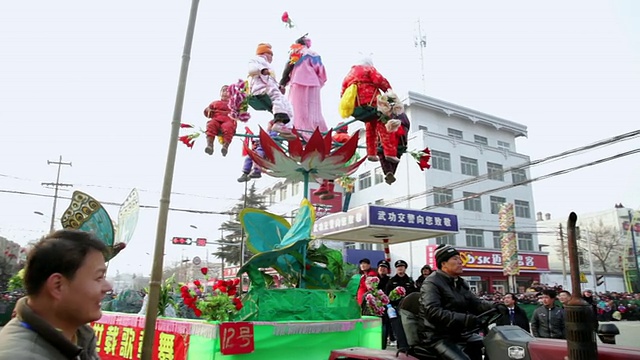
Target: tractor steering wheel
[484,319]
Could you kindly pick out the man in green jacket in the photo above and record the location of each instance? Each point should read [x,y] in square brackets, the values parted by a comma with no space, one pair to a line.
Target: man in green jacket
[65,283]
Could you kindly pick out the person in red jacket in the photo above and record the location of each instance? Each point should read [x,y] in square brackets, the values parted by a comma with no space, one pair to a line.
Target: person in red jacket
[365,271]
[220,123]
[370,84]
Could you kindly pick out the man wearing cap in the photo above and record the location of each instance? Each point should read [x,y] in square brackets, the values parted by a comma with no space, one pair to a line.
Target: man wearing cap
[365,271]
[383,275]
[448,308]
[400,279]
[263,83]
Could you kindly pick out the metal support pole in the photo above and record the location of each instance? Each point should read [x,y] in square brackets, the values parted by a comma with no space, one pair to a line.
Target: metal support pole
[593,273]
[244,205]
[163,213]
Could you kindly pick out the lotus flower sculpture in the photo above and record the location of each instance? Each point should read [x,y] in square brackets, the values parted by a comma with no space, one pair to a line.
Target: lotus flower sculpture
[317,158]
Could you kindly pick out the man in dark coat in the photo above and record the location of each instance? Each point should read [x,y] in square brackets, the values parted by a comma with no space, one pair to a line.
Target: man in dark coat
[448,308]
[512,314]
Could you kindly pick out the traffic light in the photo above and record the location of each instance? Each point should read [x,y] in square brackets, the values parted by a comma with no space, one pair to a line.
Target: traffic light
[181,241]
[201,242]
[599,280]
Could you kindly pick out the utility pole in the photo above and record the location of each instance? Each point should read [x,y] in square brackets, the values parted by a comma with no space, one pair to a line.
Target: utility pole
[635,252]
[420,41]
[56,185]
[593,273]
[564,258]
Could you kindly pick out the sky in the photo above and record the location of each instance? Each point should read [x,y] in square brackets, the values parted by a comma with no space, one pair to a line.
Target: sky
[95,83]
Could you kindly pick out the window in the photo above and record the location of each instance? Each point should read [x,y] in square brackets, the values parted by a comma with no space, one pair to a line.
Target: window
[441,160]
[504,145]
[446,239]
[379,202]
[378,176]
[518,176]
[364,180]
[283,193]
[349,245]
[294,213]
[525,242]
[295,189]
[497,236]
[455,133]
[473,204]
[496,202]
[495,172]
[480,140]
[522,209]
[272,197]
[475,238]
[441,196]
[422,127]
[469,166]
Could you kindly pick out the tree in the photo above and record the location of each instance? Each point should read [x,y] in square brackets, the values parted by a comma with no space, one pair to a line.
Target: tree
[607,244]
[230,248]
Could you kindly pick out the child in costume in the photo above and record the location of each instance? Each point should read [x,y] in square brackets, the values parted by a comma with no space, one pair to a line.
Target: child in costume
[249,169]
[220,123]
[370,83]
[399,140]
[305,75]
[325,191]
[266,93]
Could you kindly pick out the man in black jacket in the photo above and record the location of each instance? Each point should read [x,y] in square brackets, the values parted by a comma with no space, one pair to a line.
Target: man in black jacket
[547,321]
[512,314]
[448,308]
[400,279]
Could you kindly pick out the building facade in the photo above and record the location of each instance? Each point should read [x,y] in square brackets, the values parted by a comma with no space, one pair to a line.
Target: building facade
[471,152]
[607,233]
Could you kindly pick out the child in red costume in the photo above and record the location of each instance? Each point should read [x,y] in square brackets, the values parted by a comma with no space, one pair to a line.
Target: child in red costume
[325,191]
[370,84]
[220,123]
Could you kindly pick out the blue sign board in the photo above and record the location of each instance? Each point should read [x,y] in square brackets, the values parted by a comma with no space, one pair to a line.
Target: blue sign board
[351,219]
[412,219]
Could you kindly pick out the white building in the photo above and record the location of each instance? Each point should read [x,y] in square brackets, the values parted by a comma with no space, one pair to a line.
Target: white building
[466,145]
[608,223]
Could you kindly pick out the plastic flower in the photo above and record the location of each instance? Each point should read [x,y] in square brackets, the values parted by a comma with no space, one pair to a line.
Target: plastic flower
[188,140]
[204,270]
[238,103]
[185,126]
[398,293]
[423,158]
[287,20]
[317,159]
[390,105]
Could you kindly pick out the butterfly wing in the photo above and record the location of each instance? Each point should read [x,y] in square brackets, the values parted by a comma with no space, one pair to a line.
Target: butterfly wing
[128,218]
[87,214]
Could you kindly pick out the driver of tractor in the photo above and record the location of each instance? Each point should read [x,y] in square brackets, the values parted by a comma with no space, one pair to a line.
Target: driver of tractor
[448,309]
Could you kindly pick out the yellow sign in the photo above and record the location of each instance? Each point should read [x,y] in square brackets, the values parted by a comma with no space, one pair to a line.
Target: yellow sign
[583,278]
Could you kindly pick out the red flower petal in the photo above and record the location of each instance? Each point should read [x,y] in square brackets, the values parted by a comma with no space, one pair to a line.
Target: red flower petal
[183,125]
[197,283]
[236,281]
[184,289]
[232,291]
[204,270]
[285,17]
[197,312]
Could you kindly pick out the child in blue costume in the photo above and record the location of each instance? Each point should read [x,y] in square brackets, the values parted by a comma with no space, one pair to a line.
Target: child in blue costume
[250,170]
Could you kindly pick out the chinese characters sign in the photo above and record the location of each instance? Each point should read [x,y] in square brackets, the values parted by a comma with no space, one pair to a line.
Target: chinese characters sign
[341,221]
[236,338]
[123,340]
[410,218]
[492,260]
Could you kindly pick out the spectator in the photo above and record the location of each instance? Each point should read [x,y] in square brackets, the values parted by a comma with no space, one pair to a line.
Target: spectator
[564,296]
[65,284]
[513,314]
[548,320]
[424,272]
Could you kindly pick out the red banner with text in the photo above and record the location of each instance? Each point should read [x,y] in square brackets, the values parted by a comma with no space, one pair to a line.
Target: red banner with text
[123,340]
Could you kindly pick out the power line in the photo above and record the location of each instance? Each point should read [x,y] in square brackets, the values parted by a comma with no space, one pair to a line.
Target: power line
[575,151]
[560,172]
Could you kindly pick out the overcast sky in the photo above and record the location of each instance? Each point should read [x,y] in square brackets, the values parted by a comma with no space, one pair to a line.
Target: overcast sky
[95,82]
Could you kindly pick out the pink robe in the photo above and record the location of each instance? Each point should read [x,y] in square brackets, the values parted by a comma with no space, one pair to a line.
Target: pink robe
[307,79]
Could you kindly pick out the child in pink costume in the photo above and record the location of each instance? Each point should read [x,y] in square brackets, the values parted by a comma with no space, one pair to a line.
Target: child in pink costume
[305,75]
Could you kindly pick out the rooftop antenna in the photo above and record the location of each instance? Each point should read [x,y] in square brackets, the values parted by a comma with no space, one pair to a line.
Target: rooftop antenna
[420,41]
